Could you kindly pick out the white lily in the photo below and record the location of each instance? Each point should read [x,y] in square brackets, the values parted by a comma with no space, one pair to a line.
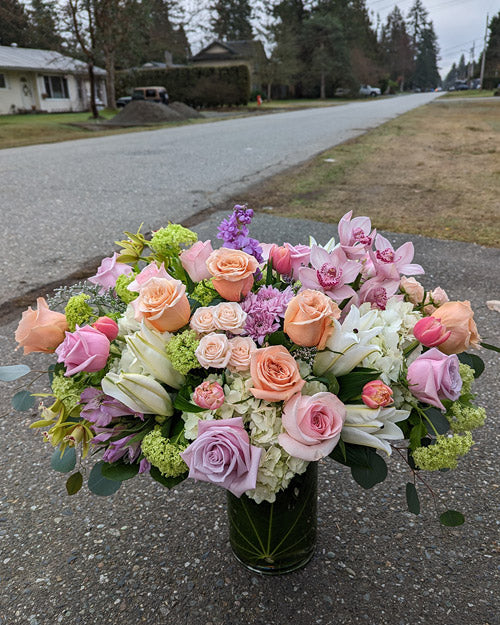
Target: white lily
[330,246]
[349,344]
[148,347]
[140,393]
[372,427]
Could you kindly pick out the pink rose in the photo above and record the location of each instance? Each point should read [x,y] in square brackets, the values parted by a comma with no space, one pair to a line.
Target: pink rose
[430,332]
[202,320]
[242,348]
[209,395]
[281,258]
[229,317]
[222,454]
[299,256]
[433,376]
[194,260]
[108,272]
[214,350]
[312,425]
[435,299]
[150,271]
[107,326]
[413,289]
[376,394]
[85,349]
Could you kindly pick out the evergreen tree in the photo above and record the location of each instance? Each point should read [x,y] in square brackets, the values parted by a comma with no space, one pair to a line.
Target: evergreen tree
[14,26]
[451,77]
[161,34]
[397,48]
[232,20]
[462,69]
[492,62]
[44,30]
[426,75]
[417,21]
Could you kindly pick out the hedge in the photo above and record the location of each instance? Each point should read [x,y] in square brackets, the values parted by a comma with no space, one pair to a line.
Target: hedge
[203,86]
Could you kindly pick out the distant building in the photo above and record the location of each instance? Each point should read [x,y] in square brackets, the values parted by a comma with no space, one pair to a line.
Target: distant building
[249,52]
[44,80]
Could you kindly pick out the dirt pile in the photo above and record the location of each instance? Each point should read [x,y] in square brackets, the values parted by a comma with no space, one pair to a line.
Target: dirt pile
[141,113]
[185,111]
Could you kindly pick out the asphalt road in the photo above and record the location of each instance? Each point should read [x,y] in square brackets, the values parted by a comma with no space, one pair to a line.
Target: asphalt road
[64,204]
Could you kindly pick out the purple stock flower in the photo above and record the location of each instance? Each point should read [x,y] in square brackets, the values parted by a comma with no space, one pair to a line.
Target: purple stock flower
[243,214]
[234,232]
[100,409]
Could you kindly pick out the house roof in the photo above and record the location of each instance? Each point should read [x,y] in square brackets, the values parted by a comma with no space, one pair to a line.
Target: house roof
[243,49]
[12,57]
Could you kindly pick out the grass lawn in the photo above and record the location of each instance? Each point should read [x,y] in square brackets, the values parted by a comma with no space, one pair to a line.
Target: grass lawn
[434,171]
[469,93]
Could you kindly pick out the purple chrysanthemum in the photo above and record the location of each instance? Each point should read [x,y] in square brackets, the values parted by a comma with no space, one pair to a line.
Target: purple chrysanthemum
[260,324]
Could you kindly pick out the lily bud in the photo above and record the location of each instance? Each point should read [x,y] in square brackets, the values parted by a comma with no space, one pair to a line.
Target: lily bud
[140,393]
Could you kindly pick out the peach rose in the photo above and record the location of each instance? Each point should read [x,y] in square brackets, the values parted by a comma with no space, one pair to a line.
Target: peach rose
[309,318]
[202,320]
[230,317]
[41,330]
[163,304]
[458,318]
[214,350]
[242,348]
[275,374]
[413,289]
[232,272]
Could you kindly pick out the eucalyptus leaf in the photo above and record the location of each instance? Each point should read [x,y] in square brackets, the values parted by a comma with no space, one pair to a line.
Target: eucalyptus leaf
[119,471]
[473,361]
[412,498]
[74,483]
[63,463]
[13,372]
[438,420]
[452,518]
[368,477]
[101,485]
[23,401]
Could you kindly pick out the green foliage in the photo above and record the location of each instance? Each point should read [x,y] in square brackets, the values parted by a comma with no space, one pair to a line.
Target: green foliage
[119,471]
[23,401]
[232,20]
[473,361]
[64,463]
[367,467]
[101,485]
[168,482]
[74,483]
[352,383]
[13,372]
[452,518]
[412,498]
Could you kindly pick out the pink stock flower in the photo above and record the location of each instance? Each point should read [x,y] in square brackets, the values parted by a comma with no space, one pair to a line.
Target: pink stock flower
[331,273]
[377,292]
[108,272]
[390,263]
[376,394]
[299,255]
[222,454]
[355,236]
[85,349]
[150,271]
[107,326]
[430,332]
[281,258]
[194,260]
[209,395]
[433,376]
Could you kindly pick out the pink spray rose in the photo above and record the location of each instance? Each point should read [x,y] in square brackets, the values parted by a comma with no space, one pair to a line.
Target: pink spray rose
[150,271]
[312,425]
[376,394]
[108,272]
[433,376]
[413,289]
[107,326]
[435,299]
[85,349]
[195,258]
[281,258]
[222,454]
[209,395]
[214,350]
[430,332]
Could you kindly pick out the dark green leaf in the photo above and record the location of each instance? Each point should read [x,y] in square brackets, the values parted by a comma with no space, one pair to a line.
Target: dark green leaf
[13,372]
[279,338]
[412,498]
[473,361]
[368,477]
[416,435]
[352,383]
[101,485]
[74,483]
[269,272]
[119,471]
[493,348]
[50,373]
[23,401]
[438,420]
[341,446]
[352,455]
[64,463]
[168,482]
[452,518]
[184,405]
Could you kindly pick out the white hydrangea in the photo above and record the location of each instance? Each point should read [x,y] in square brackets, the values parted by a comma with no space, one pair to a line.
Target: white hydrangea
[276,470]
[313,387]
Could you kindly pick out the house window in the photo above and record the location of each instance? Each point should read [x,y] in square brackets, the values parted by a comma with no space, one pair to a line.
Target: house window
[3,82]
[56,87]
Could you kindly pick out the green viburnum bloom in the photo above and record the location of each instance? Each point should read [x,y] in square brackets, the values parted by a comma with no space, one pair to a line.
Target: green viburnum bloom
[121,290]
[77,311]
[465,418]
[467,375]
[168,241]
[444,453]
[204,292]
[180,350]
[164,454]
[67,390]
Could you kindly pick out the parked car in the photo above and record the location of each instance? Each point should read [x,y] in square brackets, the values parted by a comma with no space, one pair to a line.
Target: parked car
[461,85]
[367,90]
[123,101]
[152,94]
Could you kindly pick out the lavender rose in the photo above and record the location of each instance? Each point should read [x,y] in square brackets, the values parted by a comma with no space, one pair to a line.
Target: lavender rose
[435,376]
[85,349]
[108,272]
[222,454]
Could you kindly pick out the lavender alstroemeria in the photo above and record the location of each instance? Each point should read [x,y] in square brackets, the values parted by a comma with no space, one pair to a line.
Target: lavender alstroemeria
[390,263]
[100,409]
[122,449]
[330,273]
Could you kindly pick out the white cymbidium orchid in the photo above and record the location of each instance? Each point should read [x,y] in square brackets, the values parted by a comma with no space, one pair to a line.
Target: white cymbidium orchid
[140,393]
[329,246]
[148,347]
[372,427]
[348,345]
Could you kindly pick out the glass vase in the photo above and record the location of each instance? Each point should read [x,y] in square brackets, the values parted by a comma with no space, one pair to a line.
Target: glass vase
[279,537]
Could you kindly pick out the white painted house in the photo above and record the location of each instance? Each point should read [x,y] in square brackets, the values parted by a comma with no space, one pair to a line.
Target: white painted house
[43,80]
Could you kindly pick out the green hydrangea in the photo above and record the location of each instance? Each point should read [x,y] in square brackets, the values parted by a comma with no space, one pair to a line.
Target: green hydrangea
[168,241]
[121,288]
[464,418]
[77,311]
[163,454]
[204,292]
[180,350]
[467,375]
[444,453]
[67,390]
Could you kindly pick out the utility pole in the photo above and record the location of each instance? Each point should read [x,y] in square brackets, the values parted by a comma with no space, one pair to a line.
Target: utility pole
[483,60]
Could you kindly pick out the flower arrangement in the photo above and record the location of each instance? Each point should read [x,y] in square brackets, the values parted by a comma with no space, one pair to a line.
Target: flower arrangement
[242,365]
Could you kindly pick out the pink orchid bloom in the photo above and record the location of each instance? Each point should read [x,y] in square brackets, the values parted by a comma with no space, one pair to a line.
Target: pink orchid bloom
[330,273]
[377,291]
[150,271]
[390,263]
[355,236]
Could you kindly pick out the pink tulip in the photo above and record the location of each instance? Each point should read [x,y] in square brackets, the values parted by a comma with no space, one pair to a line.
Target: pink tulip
[376,394]
[281,258]
[107,326]
[430,332]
